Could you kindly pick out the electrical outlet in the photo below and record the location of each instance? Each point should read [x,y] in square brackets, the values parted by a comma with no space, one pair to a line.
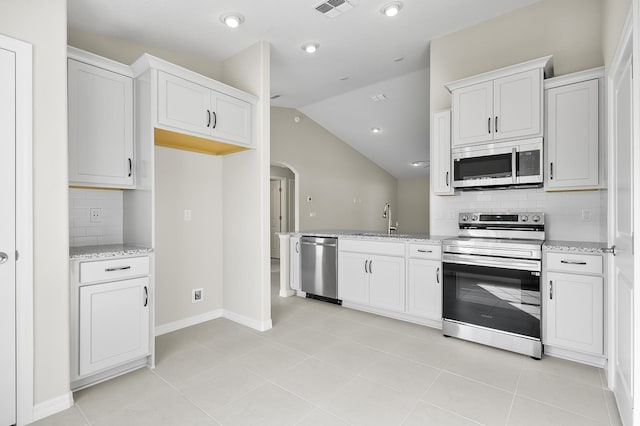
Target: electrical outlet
[586,215]
[95,215]
[197,294]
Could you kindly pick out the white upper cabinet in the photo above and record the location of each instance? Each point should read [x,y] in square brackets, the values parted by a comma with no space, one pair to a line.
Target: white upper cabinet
[101,148]
[572,135]
[187,106]
[472,114]
[441,177]
[499,105]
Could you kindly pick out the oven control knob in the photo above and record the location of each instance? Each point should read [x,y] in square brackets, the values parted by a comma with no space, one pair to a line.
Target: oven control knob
[524,218]
[474,218]
[465,218]
[536,218]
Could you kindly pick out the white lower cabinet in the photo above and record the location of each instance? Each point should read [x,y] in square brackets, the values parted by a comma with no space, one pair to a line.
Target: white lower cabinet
[114,324]
[425,289]
[294,264]
[111,311]
[573,305]
[376,280]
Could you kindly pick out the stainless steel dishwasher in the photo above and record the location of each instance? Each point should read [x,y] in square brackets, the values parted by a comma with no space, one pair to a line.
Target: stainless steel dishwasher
[319,264]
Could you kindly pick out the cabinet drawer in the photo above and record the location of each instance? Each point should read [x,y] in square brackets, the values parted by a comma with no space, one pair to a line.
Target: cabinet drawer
[114,269]
[372,247]
[425,251]
[570,262]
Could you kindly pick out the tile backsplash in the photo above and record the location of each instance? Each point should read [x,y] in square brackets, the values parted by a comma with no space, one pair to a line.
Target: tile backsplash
[572,216]
[83,232]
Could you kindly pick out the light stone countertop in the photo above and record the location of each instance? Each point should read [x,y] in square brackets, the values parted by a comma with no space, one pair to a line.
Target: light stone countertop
[374,236]
[576,246]
[106,251]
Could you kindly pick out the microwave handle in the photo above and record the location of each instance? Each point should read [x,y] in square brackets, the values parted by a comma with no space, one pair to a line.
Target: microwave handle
[514,165]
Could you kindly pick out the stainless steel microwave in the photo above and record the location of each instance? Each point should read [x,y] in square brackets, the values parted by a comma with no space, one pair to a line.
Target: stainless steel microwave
[509,164]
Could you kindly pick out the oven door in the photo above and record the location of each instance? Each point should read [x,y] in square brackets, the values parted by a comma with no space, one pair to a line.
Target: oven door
[496,293]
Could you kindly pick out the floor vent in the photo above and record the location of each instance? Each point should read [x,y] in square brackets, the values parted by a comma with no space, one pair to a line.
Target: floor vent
[333,8]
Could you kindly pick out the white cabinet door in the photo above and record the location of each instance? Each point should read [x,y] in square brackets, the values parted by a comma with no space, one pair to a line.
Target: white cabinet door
[231,119]
[353,278]
[472,108]
[517,105]
[100,127]
[573,309]
[387,282]
[184,105]
[441,177]
[573,136]
[114,324]
[425,291]
[294,264]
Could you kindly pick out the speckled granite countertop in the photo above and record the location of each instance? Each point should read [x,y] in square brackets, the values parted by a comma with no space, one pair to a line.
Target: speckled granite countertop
[106,251]
[374,236]
[575,246]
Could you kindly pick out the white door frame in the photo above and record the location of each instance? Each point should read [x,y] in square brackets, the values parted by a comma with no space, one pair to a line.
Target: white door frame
[24,226]
[296,198]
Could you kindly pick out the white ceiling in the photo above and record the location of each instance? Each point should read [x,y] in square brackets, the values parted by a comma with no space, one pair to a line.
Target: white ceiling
[361,44]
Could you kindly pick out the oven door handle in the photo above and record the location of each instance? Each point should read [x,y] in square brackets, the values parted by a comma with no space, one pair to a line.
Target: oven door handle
[493,262]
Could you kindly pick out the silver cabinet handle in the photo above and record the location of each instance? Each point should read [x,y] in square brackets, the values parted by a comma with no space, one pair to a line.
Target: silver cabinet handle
[146,296]
[573,262]
[489,125]
[438,275]
[447,178]
[208,118]
[424,251]
[3,258]
[215,119]
[297,246]
[496,124]
[550,170]
[550,290]
[365,266]
[119,268]
[130,167]
[371,266]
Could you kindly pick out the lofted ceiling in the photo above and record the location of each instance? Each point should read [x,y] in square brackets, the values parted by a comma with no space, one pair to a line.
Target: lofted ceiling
[361,53]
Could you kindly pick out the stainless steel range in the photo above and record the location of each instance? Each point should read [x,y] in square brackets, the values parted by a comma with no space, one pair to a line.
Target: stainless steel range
[491,280]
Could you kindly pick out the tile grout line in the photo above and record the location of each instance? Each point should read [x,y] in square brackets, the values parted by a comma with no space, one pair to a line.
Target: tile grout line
[515,393]
[82,413]
[560,408]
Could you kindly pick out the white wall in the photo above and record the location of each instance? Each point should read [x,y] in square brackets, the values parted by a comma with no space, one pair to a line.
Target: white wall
[127,52]
[83,232]
[413,205]
[246,193]
[332,173]
[43,23]
[188,254]
[614,15]
[571,31]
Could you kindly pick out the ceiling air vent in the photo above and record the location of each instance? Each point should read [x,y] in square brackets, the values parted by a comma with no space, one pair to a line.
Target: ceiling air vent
[333,8]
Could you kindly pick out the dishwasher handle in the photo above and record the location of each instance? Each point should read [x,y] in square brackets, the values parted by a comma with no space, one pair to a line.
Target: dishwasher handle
[309,243]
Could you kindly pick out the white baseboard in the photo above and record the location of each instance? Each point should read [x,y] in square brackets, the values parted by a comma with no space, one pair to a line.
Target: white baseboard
[249,322]
[208,316]
[594,360]
[52,406]
[188,322]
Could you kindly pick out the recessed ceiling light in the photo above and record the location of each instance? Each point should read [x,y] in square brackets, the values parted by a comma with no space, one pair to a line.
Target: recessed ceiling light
[399,59]
[379,97]
[310,47]
[276,96]
[345,78]
[391,9]
[376,130]
[232,20]
[421,163]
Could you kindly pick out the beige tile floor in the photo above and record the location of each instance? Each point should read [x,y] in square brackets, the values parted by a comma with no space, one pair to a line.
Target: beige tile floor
[326,365]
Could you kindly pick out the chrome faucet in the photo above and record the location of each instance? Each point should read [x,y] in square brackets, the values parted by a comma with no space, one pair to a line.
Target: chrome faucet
[386,214]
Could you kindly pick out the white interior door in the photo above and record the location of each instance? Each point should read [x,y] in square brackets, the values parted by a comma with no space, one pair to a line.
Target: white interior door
[7,238]
[276,217]
[621,193]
